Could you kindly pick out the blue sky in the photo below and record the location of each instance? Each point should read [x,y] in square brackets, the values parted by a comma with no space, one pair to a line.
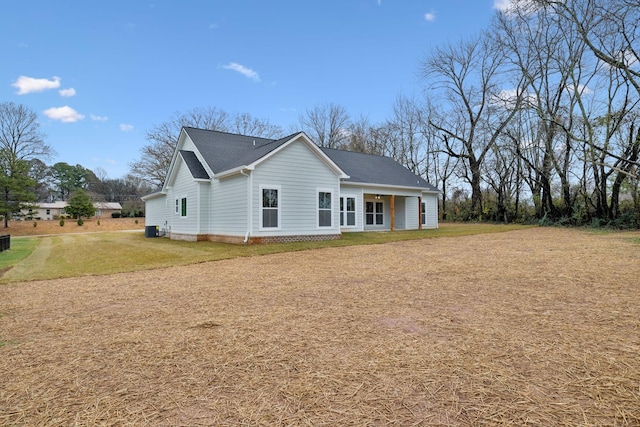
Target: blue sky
[100,74]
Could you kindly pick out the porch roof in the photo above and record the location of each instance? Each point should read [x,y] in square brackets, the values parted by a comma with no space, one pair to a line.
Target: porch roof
[371,169]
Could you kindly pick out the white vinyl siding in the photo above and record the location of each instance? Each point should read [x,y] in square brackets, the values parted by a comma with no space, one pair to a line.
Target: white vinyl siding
[184,187]
[156,211]
[299,173]
[411,213]
[431,215]
[228,206]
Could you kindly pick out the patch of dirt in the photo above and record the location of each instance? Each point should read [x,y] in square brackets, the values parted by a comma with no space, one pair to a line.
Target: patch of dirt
[534,327]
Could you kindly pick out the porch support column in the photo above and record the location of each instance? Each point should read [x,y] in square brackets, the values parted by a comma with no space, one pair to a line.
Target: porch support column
[393,212]
[419,213]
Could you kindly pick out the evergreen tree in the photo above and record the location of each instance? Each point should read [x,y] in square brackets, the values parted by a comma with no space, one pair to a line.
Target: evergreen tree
[16,186]
[80,205]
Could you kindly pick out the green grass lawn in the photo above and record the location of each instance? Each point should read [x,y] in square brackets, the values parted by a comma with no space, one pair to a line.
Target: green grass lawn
[71,255]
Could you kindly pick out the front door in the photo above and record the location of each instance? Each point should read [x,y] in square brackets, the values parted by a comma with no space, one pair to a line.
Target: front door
[374,213]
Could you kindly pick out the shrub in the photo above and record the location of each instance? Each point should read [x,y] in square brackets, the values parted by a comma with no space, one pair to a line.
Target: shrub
[98,222]
[35,224]
[627,220]
[80,221]
[61,222]
[116,214]
[136,221]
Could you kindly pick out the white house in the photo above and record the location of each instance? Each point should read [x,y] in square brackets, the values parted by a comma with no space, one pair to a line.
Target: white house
[236,188]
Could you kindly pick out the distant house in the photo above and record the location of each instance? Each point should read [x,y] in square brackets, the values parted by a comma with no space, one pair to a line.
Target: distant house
[105,209]
[54,210]
[48,210]
[236,188]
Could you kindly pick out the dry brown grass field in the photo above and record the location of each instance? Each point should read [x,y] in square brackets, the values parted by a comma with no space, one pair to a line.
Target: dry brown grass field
[26,228]
[536,327]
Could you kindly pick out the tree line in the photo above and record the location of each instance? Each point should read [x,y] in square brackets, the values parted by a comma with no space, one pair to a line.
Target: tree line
[25,177]
[534,119]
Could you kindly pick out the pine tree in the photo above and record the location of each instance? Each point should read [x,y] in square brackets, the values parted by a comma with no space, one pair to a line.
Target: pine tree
[80,205]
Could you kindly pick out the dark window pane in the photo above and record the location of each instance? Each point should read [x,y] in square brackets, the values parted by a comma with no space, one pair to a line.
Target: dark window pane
[351,218]
[324,200]
[351,204]
[184,207]
[270,218]
[324,219]
[369,219]
[369,207]
[269,198]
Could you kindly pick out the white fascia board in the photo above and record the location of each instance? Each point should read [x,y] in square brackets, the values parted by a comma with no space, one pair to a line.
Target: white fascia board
[387,186]
[234,171]
[153,195]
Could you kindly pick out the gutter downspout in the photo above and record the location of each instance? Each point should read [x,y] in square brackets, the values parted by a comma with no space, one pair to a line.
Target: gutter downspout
[249,204]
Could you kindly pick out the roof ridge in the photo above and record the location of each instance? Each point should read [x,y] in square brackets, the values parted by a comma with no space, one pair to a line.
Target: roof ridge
[230,133]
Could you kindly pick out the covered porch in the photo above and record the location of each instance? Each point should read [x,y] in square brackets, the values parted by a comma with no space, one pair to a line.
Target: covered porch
[392,212]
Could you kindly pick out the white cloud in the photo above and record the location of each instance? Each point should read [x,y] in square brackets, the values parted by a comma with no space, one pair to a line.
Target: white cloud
[29,84]
[125,127]
[508,98]
[247,72]
[67,92]
[213,26]
[581,89]
[502,5]
[64,114]
[98,118]
[508,7]
[430,17]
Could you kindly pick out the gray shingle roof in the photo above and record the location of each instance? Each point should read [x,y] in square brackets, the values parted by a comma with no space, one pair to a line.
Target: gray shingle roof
[372,169]
[224,151]
[194,165]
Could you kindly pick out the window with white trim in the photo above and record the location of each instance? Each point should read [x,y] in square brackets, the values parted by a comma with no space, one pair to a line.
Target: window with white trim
[423,213]
[270,207]
[347,211]
[325,211]
[183,207]
[177,211]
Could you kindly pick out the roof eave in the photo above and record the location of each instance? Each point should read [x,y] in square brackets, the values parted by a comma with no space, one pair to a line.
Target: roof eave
[390,186]
[153,195]
[234,171]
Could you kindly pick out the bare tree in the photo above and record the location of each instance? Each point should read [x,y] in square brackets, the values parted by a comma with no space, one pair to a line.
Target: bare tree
[245,124]
[610,29]
[406,135]
[20,142]
[468,75]
[327,125]
[162,139]
[20,133]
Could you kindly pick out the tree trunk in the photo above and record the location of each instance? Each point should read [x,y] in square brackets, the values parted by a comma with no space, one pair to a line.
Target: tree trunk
[476,191]
[444,199]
